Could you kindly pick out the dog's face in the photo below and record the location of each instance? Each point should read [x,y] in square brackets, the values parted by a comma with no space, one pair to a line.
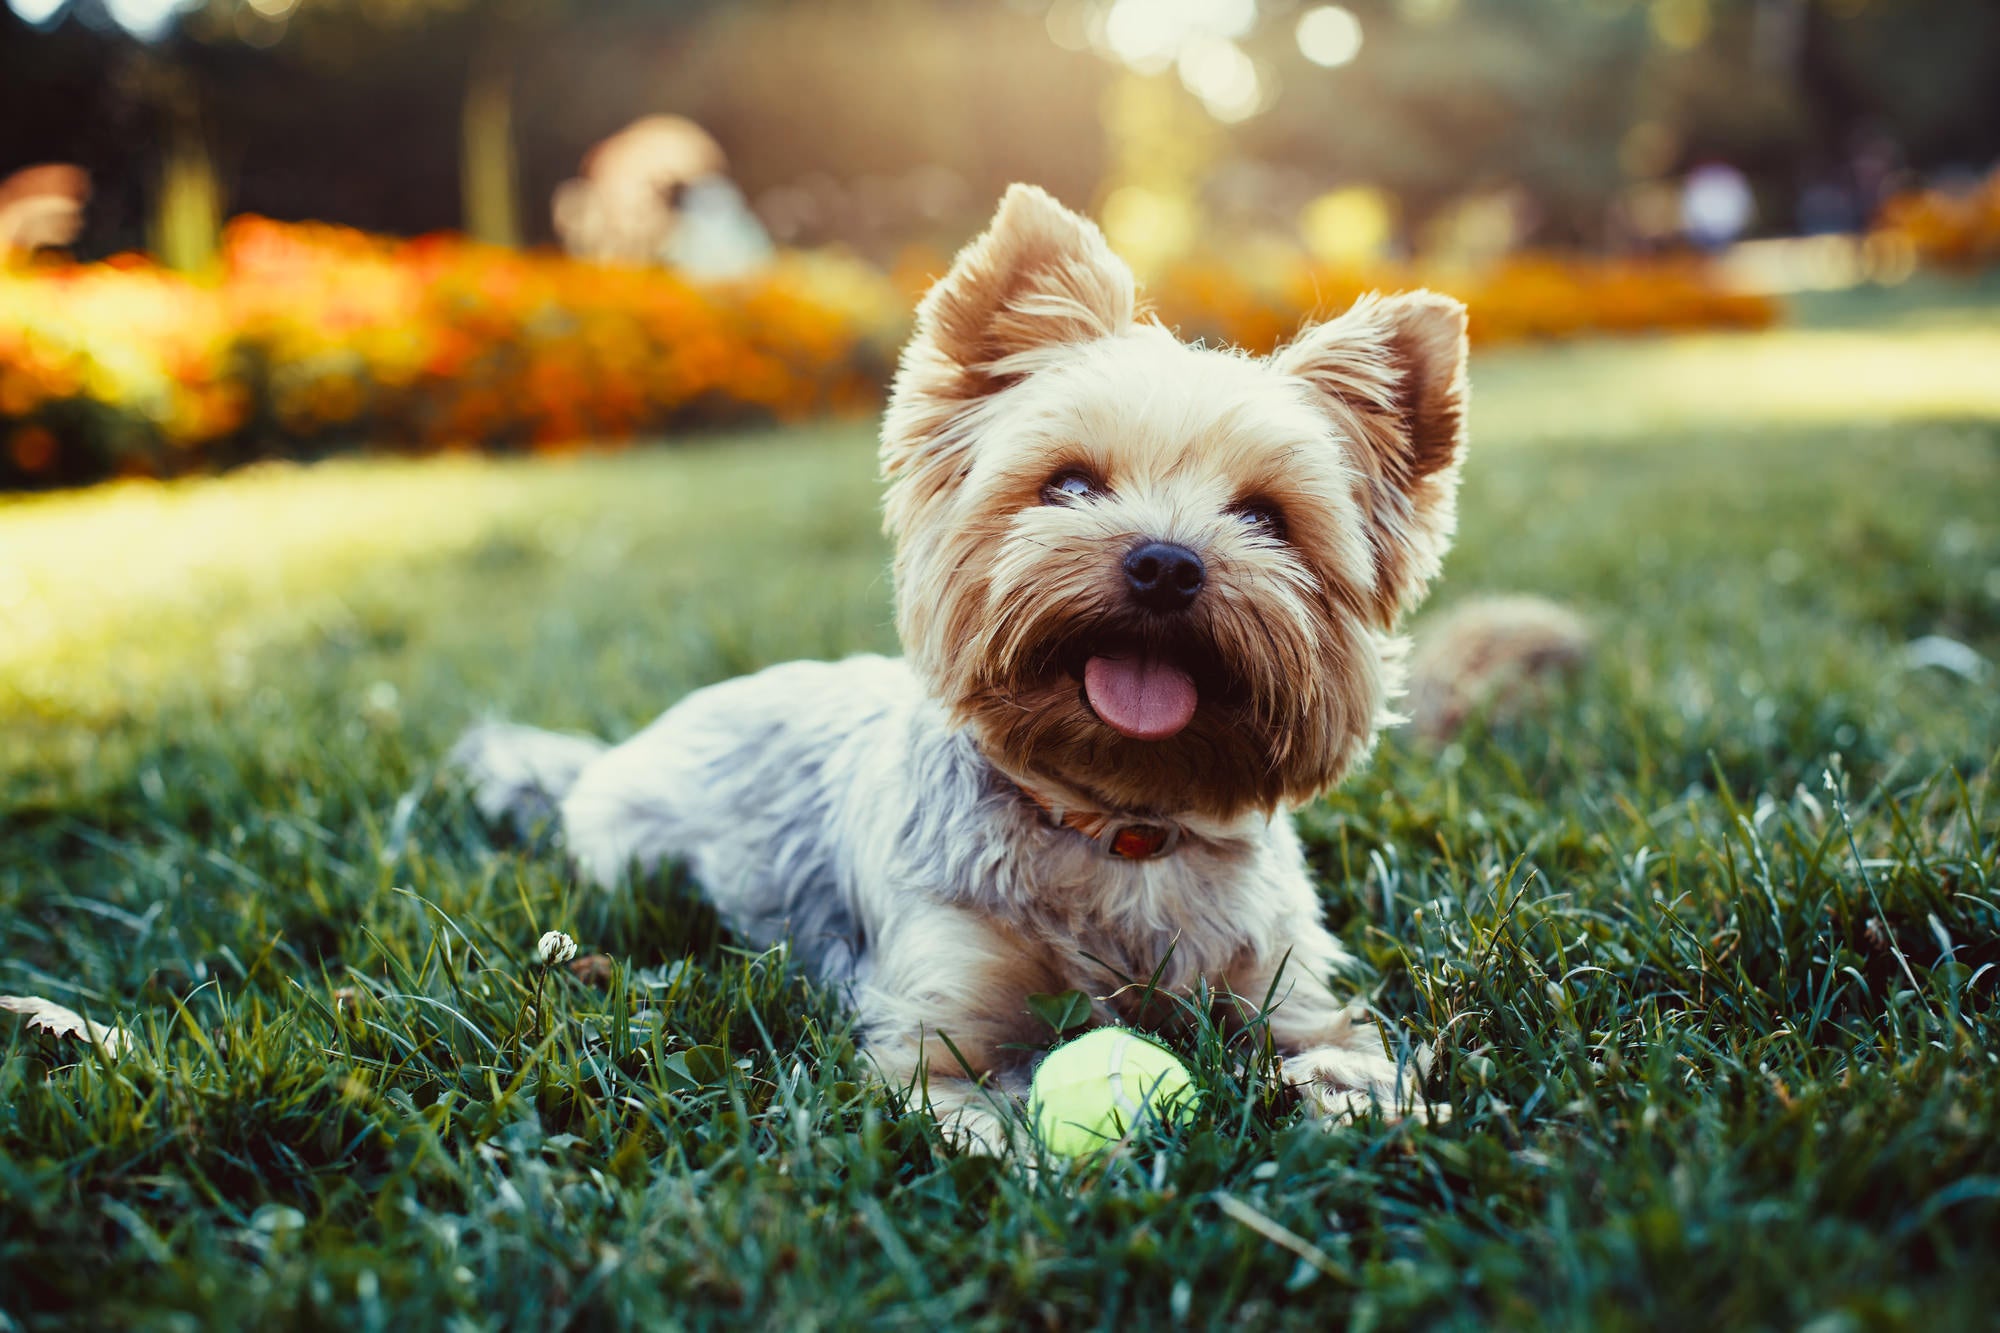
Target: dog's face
[1162,576]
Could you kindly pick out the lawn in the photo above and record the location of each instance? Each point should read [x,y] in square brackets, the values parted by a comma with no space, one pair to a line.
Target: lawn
[1709,952]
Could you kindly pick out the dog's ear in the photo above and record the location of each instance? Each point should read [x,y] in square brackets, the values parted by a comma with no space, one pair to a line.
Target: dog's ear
[1039,279]
[1390,375]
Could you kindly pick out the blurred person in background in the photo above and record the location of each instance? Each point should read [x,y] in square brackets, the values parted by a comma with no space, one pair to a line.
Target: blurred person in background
[41,208]
[658,192]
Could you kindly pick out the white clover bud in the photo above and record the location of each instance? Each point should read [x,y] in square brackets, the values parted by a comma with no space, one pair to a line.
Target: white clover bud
[556,947]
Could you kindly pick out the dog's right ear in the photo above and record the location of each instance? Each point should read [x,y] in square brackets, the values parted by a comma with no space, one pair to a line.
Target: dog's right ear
[1039,279]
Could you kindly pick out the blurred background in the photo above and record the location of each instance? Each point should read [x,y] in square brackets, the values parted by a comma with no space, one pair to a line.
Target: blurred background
[237,229]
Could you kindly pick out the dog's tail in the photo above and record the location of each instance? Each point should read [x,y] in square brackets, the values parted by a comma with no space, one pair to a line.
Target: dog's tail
[1495,657]
[520,774]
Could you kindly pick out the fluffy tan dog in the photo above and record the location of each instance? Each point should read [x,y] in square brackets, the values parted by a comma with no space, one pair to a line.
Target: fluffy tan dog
[1148,594]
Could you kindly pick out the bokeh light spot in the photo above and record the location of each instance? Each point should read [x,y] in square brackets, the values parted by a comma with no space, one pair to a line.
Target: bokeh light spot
[1151,35]
[147,20]
[1217,71]
[1679,24]
[1329,35]
[1230,18]
[256,29]
[1348,228]
[1147,34]
[1148,225]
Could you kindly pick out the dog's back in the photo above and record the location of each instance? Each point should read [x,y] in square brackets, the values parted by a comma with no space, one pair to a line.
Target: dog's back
[750,783]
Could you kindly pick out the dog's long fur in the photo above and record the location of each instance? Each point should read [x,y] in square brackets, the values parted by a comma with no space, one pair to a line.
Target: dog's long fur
[903,822]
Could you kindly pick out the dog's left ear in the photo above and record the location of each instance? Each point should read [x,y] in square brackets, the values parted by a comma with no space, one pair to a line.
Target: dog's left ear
[1390,374]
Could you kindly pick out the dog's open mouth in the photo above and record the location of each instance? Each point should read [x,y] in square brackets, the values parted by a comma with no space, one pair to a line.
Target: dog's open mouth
[1143,688]
[1138,695]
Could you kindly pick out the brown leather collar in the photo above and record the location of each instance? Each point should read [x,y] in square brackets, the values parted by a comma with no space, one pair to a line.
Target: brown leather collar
[1127,840]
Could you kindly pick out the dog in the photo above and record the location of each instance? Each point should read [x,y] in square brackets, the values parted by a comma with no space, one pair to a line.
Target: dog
[1148,594]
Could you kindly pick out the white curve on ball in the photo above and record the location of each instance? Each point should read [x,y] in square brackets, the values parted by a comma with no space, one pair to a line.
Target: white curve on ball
[1117,1074]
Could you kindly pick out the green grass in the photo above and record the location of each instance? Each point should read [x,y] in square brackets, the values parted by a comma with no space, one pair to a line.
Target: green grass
[1718,1040]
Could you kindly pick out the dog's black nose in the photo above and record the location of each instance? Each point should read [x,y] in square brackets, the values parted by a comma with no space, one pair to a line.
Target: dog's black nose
[1163,576]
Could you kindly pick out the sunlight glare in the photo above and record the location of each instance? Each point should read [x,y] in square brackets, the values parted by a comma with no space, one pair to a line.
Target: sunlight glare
[147,20]
[34,11]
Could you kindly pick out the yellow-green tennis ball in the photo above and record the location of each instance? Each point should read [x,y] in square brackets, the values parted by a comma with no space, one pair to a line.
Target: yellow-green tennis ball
[1097,1089]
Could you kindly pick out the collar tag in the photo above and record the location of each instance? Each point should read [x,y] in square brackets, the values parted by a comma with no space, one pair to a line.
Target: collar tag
[1140,842]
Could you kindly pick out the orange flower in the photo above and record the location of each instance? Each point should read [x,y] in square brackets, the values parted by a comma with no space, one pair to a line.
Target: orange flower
[33,448]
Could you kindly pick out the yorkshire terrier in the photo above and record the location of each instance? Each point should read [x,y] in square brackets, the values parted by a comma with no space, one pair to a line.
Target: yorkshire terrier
[1148,594]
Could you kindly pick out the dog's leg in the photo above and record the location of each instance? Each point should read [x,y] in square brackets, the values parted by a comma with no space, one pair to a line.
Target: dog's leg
[943,1009]
[1344,1070]
[974,1119]
[1339,1063]
[519,774]
[635,807]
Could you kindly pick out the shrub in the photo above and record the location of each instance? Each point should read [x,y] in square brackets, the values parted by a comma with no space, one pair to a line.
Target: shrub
[1526,296]
[311,338]
[1949,229]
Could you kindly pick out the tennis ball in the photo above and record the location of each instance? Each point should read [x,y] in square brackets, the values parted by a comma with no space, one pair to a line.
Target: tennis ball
[1090,1093]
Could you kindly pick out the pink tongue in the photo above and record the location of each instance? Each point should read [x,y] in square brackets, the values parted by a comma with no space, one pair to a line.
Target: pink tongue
[1140,697]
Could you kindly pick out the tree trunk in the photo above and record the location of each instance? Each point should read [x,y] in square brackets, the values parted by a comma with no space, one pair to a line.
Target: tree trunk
[187,215]
[487,170]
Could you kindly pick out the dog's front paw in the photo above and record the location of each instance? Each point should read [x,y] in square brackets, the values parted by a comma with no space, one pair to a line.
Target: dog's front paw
[1343,1084]
[975,1131]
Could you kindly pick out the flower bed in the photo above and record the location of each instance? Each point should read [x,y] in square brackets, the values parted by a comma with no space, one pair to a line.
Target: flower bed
[313,338]
[1525,297]
[1950,229]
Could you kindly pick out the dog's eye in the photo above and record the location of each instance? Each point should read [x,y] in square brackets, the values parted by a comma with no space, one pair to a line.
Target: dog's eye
[1067,486]
[1264,519]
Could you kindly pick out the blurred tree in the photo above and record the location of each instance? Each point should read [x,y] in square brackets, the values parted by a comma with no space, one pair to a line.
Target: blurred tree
[487,41]
[130,112]
[187,218]
[876,121]
[58,105]
[489,169]
[1575,100]
[882,122]
[305,81]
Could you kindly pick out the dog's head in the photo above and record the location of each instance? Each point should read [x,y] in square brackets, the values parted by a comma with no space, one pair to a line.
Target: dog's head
[1160,575]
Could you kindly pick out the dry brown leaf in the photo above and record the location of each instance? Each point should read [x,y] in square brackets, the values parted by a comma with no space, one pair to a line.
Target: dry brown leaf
[61,1021]
[594,969]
